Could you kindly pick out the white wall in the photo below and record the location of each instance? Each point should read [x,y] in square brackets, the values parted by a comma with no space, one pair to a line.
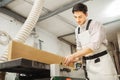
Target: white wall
[9,25]
[51,43]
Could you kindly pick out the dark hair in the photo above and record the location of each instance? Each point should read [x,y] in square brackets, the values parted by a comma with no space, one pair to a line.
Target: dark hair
[80,7]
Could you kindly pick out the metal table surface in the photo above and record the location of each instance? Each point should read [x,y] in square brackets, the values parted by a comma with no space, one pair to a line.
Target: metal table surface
[25,66]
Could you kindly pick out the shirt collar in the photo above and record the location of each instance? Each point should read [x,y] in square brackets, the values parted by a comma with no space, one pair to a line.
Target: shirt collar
[84,25]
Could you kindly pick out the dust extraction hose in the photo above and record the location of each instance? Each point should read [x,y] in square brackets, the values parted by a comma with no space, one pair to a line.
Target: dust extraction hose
[27,27]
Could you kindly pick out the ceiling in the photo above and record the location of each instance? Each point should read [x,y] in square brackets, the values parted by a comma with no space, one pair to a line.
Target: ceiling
[57,18]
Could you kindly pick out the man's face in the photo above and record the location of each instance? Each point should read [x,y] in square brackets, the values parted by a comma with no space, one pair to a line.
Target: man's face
[80,17]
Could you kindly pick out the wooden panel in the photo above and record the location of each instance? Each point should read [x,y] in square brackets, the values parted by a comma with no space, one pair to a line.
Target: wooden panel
[19,50]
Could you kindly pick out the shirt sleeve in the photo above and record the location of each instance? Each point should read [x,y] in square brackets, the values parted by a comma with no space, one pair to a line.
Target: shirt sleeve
[97,36]
[78,44]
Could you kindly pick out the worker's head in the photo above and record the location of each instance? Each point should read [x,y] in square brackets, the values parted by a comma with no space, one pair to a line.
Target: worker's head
[80,13]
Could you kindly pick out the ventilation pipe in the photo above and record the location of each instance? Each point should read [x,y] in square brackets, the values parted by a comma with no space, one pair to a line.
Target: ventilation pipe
[27,27]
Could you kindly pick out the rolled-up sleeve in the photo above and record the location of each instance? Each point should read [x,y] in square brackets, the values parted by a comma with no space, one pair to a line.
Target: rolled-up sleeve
[97,36]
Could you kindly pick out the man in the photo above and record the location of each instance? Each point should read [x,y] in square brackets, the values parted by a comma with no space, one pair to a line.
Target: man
[91,46]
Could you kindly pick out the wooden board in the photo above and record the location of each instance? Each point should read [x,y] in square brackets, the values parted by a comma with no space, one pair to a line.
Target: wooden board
[20,50]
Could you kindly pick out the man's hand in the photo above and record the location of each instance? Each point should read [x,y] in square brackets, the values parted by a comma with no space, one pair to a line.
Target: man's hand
[69,59]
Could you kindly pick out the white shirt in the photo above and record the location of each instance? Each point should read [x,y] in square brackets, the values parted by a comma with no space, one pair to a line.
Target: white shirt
[97,35]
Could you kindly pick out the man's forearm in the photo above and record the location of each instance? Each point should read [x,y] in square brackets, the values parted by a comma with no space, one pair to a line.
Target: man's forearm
[83,52]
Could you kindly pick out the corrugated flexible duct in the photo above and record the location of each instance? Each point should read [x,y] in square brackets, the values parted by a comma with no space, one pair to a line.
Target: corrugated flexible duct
[27,27]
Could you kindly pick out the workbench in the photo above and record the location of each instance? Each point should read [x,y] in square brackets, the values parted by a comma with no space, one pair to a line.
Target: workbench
[30,69]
